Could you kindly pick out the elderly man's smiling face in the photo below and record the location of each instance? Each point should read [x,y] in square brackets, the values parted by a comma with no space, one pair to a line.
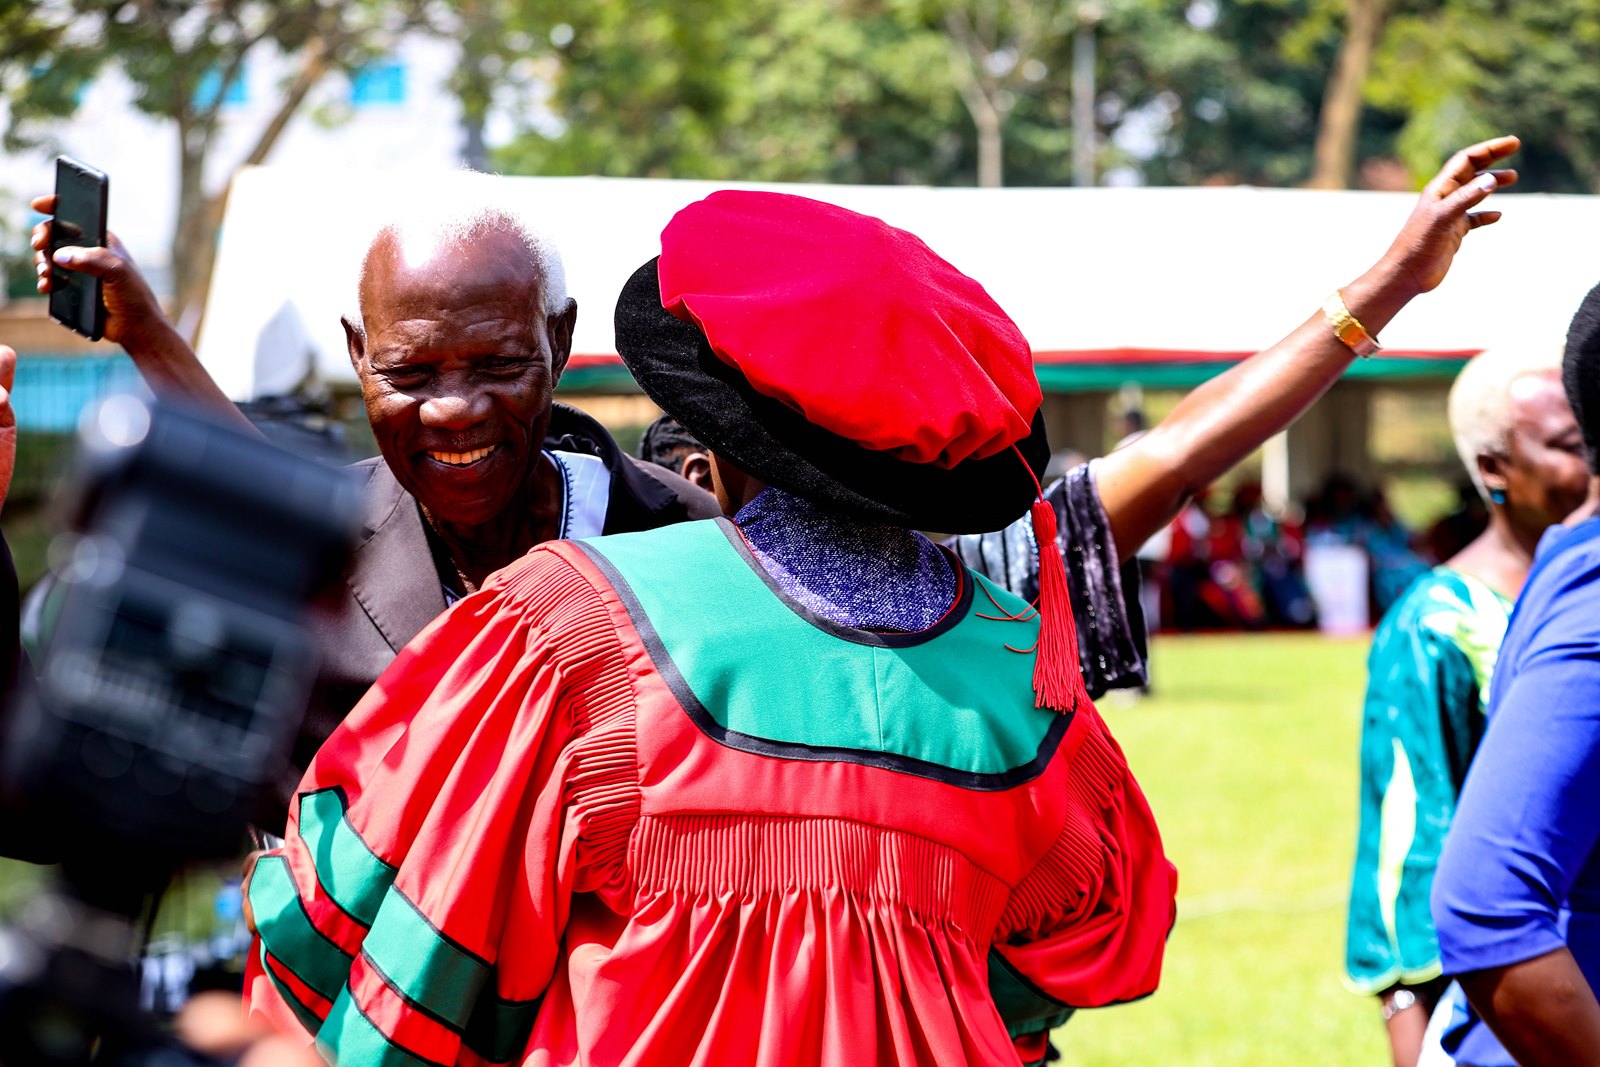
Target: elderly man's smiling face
[457,362]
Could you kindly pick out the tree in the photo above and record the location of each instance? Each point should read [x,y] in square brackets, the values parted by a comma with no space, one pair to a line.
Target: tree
[181,57]
[995,55]
[640,91]
[772,90]
[1335,149]
[1458,70]
[1205,91]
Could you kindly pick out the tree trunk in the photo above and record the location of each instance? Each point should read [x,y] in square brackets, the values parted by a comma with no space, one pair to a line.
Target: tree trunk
[991,146]
[982,95]
[474,149]
[194,241]
[1340,121]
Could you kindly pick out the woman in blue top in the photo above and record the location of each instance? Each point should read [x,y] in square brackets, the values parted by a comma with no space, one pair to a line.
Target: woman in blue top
[1516,900]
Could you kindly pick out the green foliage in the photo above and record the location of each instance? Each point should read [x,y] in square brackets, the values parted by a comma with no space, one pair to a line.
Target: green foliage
[848,93]
[1466,69]
[816,90]
[1240,103]
[869,91]
[1189,91]
[180,58]
[50,52]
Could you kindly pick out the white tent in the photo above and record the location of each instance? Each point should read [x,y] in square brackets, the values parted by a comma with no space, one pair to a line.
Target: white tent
[1085,272]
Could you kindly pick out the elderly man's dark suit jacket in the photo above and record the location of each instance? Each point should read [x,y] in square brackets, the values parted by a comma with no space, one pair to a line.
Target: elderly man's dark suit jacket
[393,588]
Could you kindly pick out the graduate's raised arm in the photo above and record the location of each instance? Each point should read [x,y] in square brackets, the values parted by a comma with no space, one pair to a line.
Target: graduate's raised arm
[1143,485]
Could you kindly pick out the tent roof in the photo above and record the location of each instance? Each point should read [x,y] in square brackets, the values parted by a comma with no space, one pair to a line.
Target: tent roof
[1161,286]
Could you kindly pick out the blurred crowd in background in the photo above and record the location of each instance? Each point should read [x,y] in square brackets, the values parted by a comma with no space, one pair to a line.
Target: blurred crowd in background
[1229,562]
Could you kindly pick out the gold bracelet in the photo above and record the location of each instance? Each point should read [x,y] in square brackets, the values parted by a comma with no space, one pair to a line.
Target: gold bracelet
[1347,327]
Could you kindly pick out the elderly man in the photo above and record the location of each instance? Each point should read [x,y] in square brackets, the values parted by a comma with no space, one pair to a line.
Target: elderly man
[464,328]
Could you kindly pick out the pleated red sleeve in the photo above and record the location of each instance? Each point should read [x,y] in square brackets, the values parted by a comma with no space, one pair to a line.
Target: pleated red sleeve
[487,777]
[1088,925]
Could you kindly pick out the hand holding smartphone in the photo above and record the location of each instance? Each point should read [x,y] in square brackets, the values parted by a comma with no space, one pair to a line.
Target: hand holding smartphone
[76,300]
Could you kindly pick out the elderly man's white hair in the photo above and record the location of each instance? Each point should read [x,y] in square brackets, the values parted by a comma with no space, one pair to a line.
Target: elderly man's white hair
[421,233]
[1480,403]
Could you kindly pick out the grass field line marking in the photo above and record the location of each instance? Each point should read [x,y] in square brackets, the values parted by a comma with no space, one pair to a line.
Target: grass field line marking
[1253,900]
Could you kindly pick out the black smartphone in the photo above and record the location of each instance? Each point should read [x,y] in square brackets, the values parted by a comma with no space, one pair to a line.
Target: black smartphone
[80,219]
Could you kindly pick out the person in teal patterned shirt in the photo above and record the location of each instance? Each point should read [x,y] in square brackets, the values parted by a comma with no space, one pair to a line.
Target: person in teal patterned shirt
[1429,671]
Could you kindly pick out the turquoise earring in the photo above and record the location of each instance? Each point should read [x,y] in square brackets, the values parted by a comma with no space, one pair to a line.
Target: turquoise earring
[1497,496]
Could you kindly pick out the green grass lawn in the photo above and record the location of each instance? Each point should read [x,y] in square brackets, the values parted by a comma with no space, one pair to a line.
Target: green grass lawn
[1247,752]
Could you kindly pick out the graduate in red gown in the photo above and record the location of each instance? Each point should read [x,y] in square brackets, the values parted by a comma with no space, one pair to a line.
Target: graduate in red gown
[792,787]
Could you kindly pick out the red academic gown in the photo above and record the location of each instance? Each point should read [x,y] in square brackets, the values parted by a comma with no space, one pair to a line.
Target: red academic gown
[630,805]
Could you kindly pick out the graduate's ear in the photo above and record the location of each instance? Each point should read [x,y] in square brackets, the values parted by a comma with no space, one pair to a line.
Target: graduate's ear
[696,470]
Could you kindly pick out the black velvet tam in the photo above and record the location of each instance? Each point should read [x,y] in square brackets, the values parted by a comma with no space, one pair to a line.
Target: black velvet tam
[675,366]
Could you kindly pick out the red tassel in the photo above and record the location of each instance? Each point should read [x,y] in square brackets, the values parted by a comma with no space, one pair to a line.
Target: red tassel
[1057,674]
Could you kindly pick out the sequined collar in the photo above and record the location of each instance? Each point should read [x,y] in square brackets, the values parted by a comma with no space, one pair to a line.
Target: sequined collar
[871,576]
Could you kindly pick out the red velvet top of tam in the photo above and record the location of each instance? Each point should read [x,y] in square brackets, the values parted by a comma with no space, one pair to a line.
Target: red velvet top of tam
[857,325]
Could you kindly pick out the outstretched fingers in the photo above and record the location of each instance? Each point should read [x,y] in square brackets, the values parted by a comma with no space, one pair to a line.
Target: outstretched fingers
[1472,193]
[1457,206]
[1465,166]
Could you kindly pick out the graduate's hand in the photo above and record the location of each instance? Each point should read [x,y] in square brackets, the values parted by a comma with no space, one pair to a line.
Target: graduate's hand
[1426,246]
[1143,485]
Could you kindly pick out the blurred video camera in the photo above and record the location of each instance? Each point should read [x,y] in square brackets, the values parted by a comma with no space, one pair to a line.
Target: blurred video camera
[166,699]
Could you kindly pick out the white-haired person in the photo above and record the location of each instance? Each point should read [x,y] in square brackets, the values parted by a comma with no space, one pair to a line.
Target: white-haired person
[1429,671]
[462,329]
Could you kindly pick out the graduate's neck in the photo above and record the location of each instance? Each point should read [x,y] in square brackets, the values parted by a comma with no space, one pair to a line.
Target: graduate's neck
[733,487]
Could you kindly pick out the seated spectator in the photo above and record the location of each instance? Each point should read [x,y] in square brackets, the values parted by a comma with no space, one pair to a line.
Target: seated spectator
[1274,553]
[1341,514]
[1210,583]
[1337,514]
[1430,669]
[1517,896]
